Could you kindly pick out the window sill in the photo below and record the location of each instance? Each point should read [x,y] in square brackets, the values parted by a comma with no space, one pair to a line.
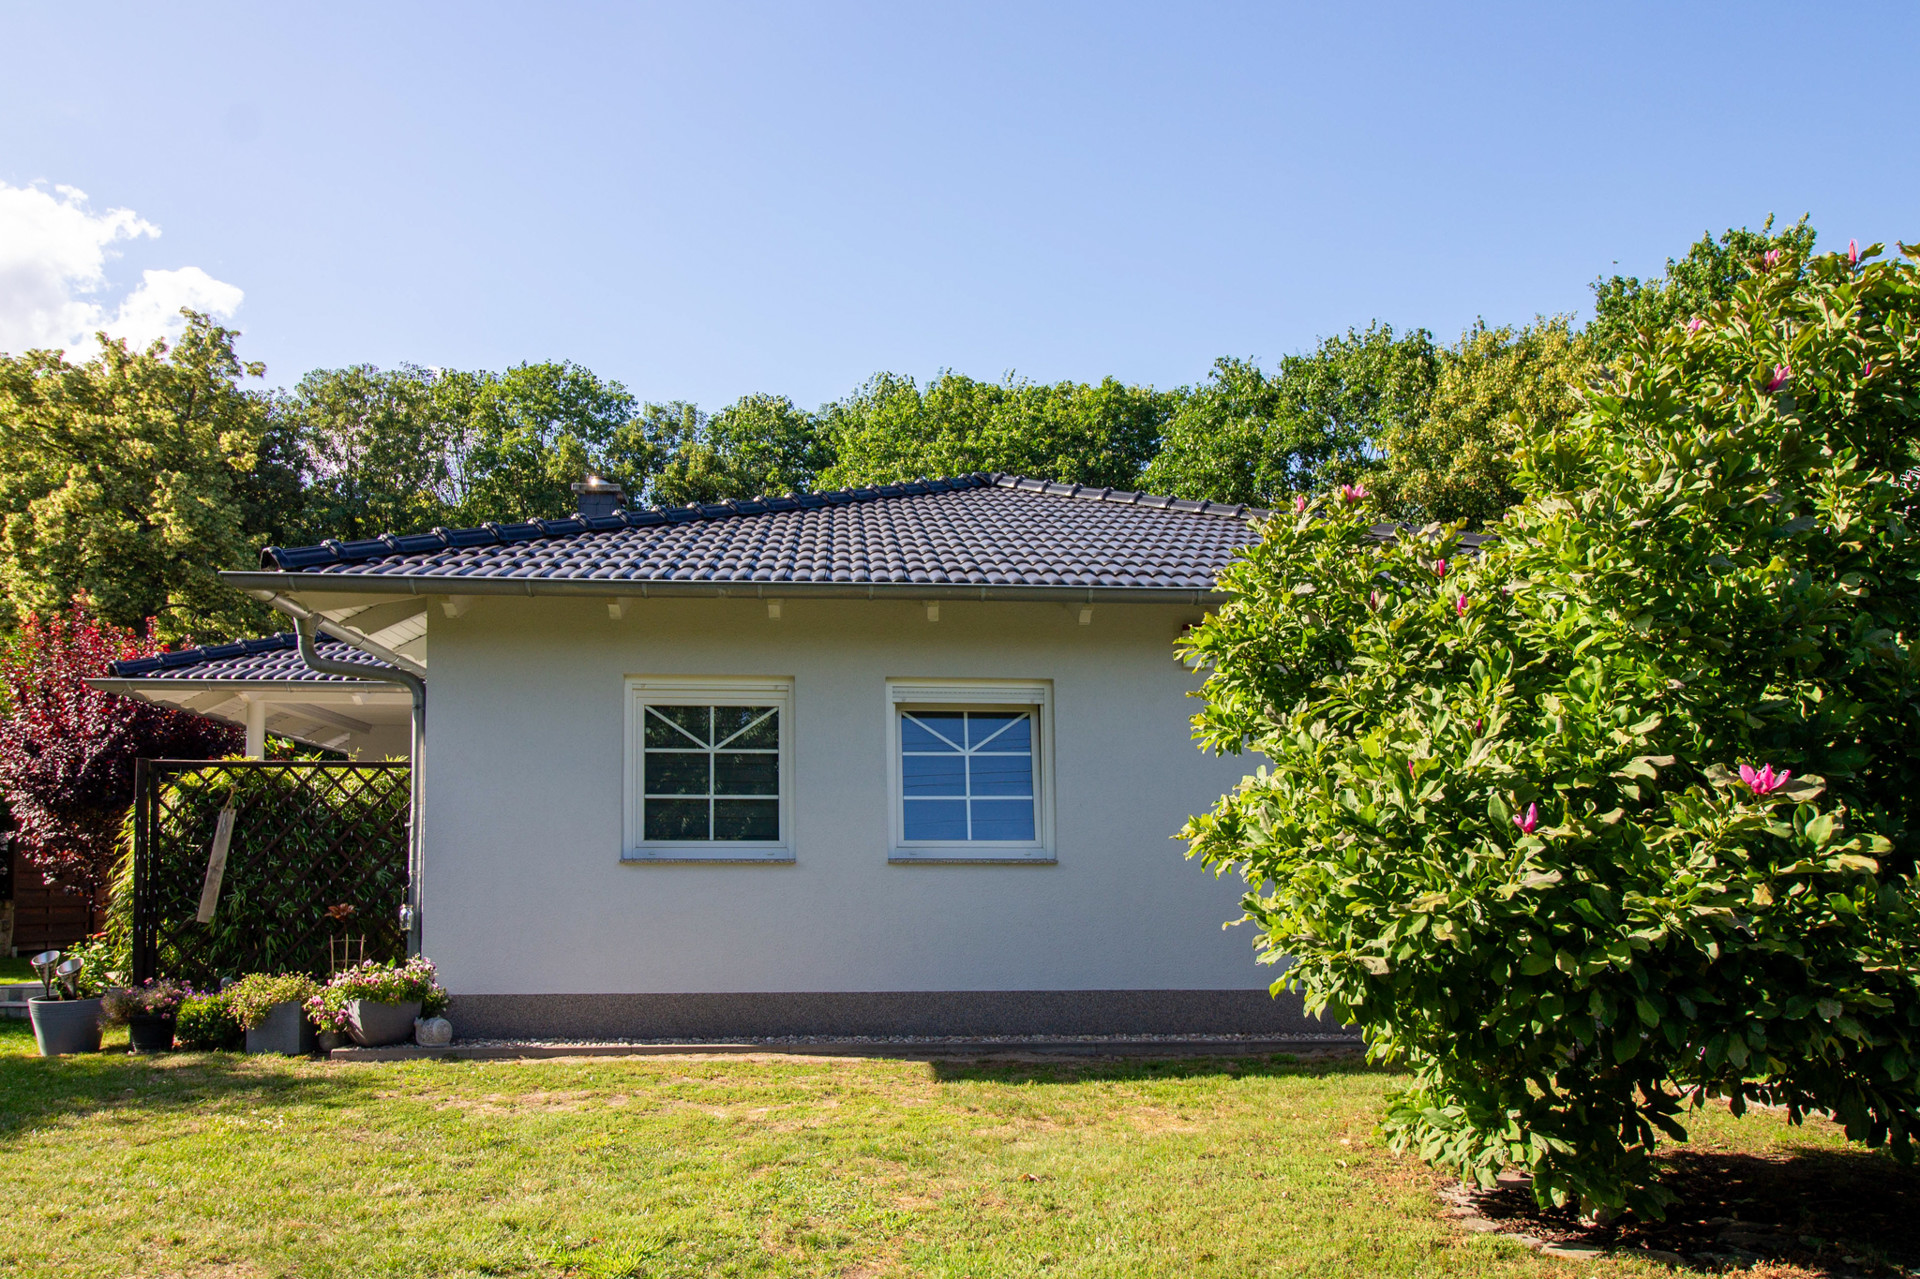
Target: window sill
[694,856]
[964,856]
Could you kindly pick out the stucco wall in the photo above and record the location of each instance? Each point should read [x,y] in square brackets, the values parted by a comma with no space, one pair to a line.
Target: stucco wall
[525,890]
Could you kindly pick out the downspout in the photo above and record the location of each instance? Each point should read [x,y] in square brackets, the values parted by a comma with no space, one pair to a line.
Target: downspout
[303,625]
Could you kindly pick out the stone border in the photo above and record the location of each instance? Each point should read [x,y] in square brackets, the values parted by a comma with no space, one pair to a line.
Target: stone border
[975,1049]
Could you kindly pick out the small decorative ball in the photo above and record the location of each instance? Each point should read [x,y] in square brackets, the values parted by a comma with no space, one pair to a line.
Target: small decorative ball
[432,1032]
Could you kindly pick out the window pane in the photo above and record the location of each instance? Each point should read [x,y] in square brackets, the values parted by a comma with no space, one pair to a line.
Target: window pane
[731,720]
[1001,774]
[918,731]
[690,720]
[736,773]
[944,819]
[934,775]
[1008,729]
[677,774]
[746,819]
[1001,819]
[676,819]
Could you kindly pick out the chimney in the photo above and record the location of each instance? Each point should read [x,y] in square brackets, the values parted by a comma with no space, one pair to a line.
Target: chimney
[597,496]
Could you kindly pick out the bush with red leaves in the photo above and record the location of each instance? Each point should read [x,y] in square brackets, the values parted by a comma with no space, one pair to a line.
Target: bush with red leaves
[67,751]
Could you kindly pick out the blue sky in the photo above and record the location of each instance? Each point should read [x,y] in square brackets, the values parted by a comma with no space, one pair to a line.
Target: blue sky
[709,200]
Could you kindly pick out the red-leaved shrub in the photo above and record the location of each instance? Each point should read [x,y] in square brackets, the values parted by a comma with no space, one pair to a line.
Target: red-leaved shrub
[67,750]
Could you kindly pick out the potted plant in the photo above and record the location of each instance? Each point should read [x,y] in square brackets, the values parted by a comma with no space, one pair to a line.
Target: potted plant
[272,1011]
[207,1022]
[375,1003]
[148,1011]
[66,1016]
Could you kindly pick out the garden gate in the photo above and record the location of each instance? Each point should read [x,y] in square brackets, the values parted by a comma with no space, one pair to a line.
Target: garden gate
[317,849]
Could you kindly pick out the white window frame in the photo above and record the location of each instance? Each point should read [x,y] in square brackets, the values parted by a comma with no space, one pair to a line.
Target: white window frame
[661,690]
[973,695]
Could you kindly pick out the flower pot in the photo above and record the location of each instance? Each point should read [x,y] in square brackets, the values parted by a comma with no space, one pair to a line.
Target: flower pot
[371,1023]
[286,1031]
[150,1034]
[63,1026]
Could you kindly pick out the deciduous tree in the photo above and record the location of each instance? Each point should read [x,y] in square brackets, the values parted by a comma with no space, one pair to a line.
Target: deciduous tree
[135,477]
[1245,435]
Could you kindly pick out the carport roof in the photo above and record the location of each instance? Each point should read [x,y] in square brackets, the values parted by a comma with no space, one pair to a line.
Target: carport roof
[269,659]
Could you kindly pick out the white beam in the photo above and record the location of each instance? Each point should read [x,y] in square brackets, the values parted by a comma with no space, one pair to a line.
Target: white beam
[773,610]
[933,610]
[455,605]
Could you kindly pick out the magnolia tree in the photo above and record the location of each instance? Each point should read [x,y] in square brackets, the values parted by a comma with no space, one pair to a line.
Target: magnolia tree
[67,751]
[1619,814]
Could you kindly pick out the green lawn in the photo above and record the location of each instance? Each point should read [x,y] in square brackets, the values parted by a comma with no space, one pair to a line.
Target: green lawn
[218,1165]
[15,969]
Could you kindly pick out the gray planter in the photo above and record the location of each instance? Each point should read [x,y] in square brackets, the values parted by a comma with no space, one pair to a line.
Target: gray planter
[371,1024]
[286,1031]
[62,1026]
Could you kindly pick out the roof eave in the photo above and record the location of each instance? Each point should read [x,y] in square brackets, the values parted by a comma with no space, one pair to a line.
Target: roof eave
[266,585]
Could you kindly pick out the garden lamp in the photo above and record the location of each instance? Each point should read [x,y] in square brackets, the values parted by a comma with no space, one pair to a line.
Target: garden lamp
[69,975]
[43,965]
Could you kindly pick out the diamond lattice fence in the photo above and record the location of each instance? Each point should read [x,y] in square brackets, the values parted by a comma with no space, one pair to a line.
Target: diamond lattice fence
[308,838]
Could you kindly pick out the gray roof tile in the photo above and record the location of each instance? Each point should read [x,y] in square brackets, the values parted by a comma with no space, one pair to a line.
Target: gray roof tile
[269,659]
[988,530]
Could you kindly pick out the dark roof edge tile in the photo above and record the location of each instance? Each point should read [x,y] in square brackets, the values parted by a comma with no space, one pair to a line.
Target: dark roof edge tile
[132,667]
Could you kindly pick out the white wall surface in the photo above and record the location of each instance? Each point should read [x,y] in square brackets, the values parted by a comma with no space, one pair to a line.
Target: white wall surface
[525,891]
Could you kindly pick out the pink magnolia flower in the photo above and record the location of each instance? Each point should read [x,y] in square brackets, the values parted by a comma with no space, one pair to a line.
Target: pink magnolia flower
[1853,252]
[1300,505]
[1410,769]
[1696,324]
[1479,723]
[1439,568]
[1766,781]
[1781,372]
[1460,606]
[1528,820]
[1373,600]
[1867,370]
[1770,259]
[1351,493]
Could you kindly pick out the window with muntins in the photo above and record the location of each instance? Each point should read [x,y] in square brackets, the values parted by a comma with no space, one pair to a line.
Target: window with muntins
[967,776]
[711,773]
[707,769]
[970,770]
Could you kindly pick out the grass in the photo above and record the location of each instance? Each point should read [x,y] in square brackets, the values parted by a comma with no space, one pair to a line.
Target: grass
[12,970]
[219,1165]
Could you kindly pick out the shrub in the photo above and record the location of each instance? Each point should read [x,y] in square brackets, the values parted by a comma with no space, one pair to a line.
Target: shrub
[67,752]
[382,983]
[207,1022]
[253,997]
[1501,828]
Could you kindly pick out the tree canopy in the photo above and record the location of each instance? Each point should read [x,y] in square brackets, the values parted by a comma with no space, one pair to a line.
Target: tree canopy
[136,475]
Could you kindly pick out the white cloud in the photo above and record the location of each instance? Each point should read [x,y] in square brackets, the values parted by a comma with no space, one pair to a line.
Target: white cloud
[54,251]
